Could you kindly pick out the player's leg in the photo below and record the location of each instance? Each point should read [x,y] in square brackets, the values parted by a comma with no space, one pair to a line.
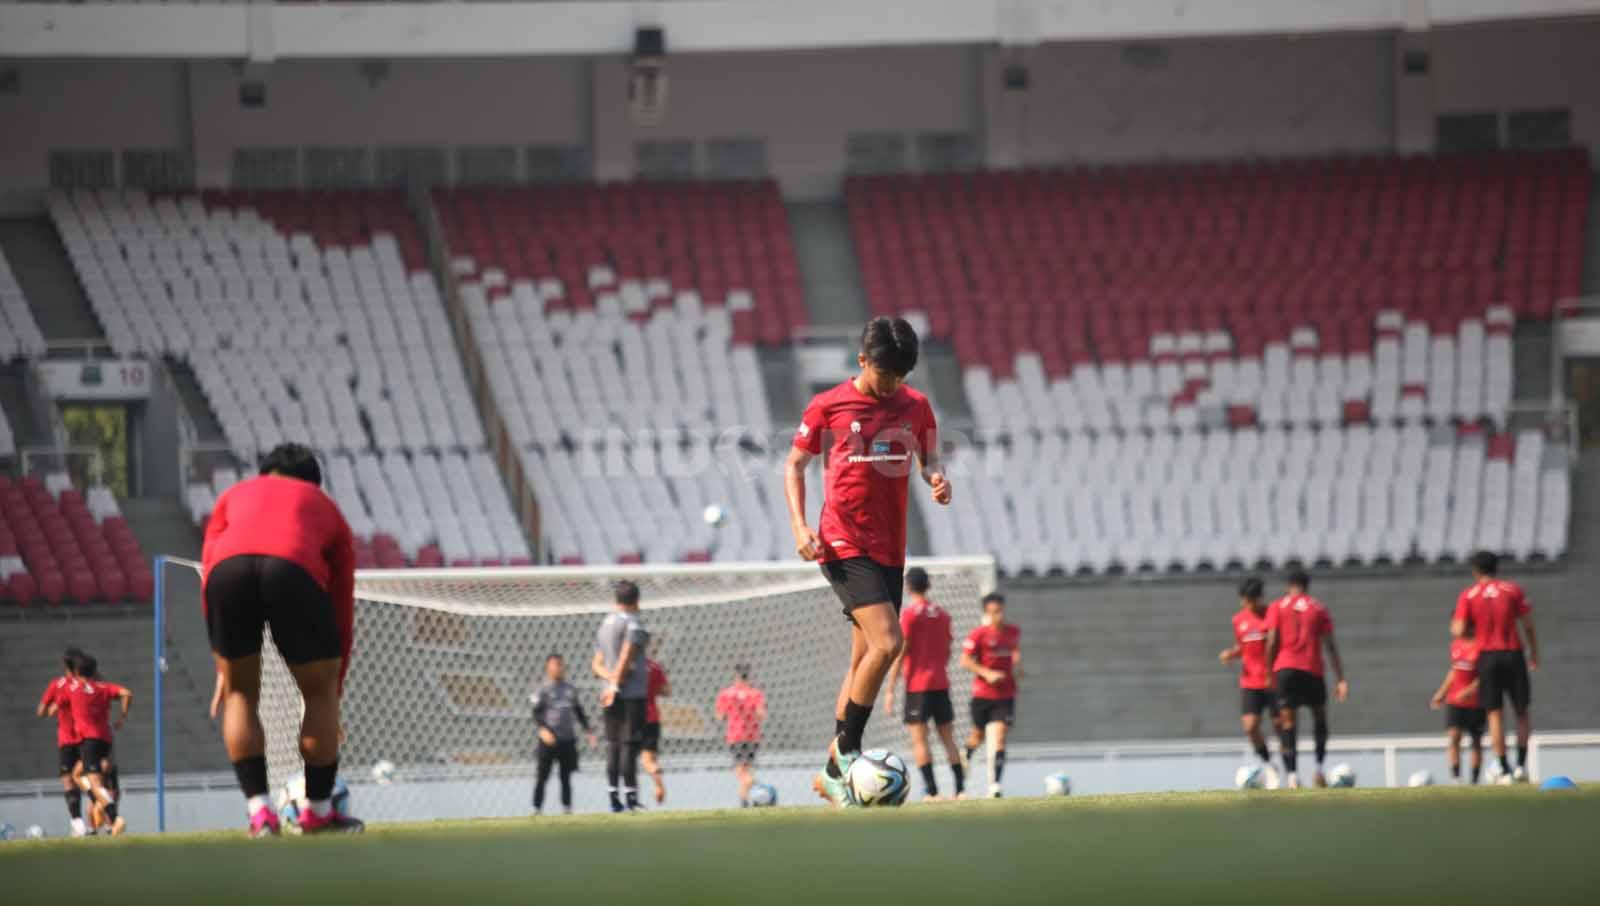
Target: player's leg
[319,738]
[921,755]
[567,764]
[995,738]
[880,625]
[1252,731]
[114,784]
[1319,735]
[1452,751]
[958,771]
[1288,738]
[1521,699]
[616,721]
[630,765]
[1476,731]
[544,760]
[234,621]
[1492,688]
[651,761]
[745,777]
[67,765]
[858,650]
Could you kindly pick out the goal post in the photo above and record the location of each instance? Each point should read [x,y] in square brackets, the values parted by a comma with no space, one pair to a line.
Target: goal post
[445,662]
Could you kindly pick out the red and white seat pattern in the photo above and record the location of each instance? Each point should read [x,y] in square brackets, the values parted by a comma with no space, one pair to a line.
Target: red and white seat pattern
[308,317]
[59,545]
[617,326]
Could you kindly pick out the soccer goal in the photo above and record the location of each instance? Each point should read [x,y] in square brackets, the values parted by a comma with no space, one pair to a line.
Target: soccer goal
[445,662]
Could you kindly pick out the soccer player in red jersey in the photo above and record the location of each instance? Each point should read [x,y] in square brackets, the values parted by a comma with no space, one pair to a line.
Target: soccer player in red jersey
[1494,609]
[278,552]
[1458,695]
[1255,680]
[656,685]
[91,716]
[57,702]
[743,708]
[993,654]
[873,425]
[1298,628]
[926,629]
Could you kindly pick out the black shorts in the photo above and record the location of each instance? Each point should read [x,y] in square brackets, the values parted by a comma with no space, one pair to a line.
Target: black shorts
[625,720]
[859,581]
[1472,721]
[250,591]
[986,711]
[933,705]
[1503,673]
[744,752]
[651,741]
[92,751]
[1254,701]
[1299,689]
[67,758]
[564,754]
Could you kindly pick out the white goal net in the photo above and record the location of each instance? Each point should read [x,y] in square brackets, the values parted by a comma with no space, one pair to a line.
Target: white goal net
[445,662]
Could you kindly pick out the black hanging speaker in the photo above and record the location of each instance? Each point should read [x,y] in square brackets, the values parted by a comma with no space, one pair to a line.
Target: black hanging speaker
[649,42]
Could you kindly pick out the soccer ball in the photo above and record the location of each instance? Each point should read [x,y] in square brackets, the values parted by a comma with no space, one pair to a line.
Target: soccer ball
[1342,776]
[35,832]
[763,795]
[292,798]
[714,515]
[1420,778]
[383,772]
[1250,777]
[1058,785]
[878,777]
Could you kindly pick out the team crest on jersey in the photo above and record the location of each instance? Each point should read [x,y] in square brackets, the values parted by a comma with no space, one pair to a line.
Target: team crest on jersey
[805,430]
[855,427]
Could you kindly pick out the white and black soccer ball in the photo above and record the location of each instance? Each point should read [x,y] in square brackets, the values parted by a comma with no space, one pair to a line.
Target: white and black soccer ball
[763,795]
[291,798]
[1420,778]
[878,777]
[1058,784]
[1342,776]
[35,832]
[714,515]
[1250,777]
[383,772]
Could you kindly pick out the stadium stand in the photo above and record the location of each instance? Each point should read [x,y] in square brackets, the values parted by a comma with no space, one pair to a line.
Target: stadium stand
[618,326]
[307,316]
[1092,307]
[20,337]
[60,545]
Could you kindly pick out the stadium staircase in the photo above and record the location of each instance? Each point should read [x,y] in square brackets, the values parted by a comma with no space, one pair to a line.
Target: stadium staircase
[20,403]
[829,271]
[46,274]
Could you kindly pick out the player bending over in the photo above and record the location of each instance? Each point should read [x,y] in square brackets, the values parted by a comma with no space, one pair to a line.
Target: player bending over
[874,425]
[1255,680]
[656,686]
[91,713]
[1298,628]
[557,714]
[57,702]
[278,552]
[992,653]
[743,708]
[1495,609]
[619,662]
[1458,695]
[925,626]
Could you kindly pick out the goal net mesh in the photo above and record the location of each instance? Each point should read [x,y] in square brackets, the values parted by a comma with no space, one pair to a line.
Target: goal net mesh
[445,663]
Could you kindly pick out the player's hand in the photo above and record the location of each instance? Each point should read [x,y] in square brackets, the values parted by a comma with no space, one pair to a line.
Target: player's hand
[940,486]
[1225,655]
[607,697]
[118,725]
[807,543]
[547,737]
[1436,702]
[594,741]
[1533,665]
[1341,691]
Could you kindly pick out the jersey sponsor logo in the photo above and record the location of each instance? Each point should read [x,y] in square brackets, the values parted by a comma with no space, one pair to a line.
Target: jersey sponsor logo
[839,543]
[1252,637]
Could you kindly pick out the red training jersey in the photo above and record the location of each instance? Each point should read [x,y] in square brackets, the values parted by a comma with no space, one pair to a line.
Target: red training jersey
[1492,607]
[59,693]
[91,708]
[1250,633]
[1463,672]
[1301,622]
[994,647]
[654,683]
[870,458]
[293,520]
[926,627]
[741,706]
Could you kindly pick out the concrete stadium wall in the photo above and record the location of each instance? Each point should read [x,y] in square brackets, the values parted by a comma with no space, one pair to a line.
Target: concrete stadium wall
[1525,66]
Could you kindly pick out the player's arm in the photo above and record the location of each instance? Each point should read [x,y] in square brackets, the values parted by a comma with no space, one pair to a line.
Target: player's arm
[761,709]
[1229,655]
[970,664]
[1438,699]
[1341,690]
[806,541]
[124,695]
[932,464]
[1272,645]
[1458,621]
[624,662]
[1016,665]
[47,702]
[1525,620]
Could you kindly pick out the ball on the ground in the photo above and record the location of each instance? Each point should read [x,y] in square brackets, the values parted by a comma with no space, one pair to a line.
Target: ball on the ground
[1058,784]
[714,515]
[1558,782]
[1342,776]
[291,798]
[383,772]
[35,832]
[1420,778]
[1250,777]
[878,777]
[763,795]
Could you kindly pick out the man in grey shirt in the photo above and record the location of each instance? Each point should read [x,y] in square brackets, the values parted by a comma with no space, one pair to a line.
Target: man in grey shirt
[557,714]
[619,662]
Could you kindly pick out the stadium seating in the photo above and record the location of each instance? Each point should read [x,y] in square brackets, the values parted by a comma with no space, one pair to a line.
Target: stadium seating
[19,333]
[1324,345]
[617,326]
[308,317]
[59,545]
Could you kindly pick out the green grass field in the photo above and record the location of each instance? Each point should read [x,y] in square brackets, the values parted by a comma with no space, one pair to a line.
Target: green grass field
[1357,847]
